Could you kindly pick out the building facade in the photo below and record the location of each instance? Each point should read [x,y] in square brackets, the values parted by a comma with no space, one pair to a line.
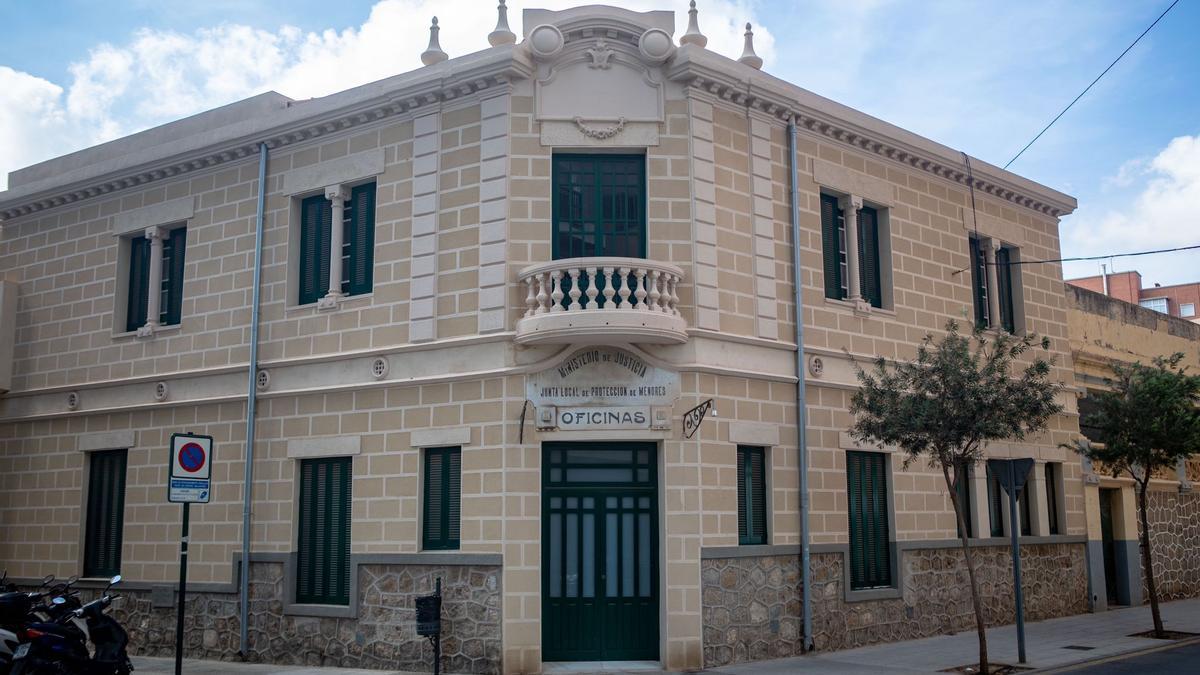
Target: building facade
[527,324]
[1104,331]
[1178,300]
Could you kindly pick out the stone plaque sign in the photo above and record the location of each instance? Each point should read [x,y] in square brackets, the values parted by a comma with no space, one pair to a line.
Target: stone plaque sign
[604,417]
[603,376]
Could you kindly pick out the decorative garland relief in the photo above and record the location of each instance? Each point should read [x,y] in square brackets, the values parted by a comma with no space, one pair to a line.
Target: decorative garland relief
[600,133]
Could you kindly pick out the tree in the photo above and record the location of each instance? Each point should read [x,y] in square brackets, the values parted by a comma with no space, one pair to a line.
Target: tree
[1147,422]
[960,393]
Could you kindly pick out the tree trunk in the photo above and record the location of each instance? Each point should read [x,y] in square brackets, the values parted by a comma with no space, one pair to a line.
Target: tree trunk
[980,628]
[1147,560]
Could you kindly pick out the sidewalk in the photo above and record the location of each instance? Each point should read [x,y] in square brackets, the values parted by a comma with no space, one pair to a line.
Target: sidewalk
[1049,644]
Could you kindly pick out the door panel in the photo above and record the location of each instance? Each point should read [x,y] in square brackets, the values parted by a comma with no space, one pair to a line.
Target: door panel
[1109,544]
[600,586]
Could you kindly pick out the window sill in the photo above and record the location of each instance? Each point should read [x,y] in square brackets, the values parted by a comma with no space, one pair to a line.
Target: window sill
[862,308]
[172,328]
[869,594]
[343,302]
[328,611]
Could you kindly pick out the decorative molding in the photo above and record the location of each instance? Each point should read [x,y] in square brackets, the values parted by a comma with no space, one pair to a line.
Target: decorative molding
[324,446]
[161,390]
[754,433]
[334,172]
[600,54]
[147,217]
[853,183]
[434,438]
[600,133]
[106,440]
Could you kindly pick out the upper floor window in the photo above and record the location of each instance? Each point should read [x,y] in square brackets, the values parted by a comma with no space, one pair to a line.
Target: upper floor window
[345,254]
[995,284]
[854,250]
[1156,304]
[1187,309]
[599,206]
[154,293]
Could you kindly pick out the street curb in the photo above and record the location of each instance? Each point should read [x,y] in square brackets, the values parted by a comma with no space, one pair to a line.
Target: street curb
[1173,644]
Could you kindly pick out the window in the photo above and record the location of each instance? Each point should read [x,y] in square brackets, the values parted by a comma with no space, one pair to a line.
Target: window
[870,553]
[1088,407]
[752,495]
[1156,304]
[1053,472]
[599,206]
[1007,280]
[443,497]
[837,264]
[1187,309]
[962,478]
[166,301]
[1023,510]
[105,514]
[996,503]
[323,550]
[356,258]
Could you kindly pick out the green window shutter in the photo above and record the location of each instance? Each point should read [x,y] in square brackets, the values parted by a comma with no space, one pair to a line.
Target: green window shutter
[995,495]
[598,206]
[358,265]
[323,551]
[1052,496]
[105,514]
[1023,508]
[1004,280]
[752,495]
[979,283]
[171,292]
[443,499]
[139,280]
[868,256]
[316,214]
[963,488]
[833,250]
[870,547]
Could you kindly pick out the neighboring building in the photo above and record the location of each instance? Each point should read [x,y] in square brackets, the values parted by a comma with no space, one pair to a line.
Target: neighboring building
[1104,331]
[1179,300]
[493,289]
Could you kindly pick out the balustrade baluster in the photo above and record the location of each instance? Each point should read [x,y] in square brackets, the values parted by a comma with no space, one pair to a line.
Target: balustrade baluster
[541,295]
[654,292]
[624,290]
[556,295]
[592,291]
[674,306]
[640,288]
[531,298]
[609,291]
[574,292]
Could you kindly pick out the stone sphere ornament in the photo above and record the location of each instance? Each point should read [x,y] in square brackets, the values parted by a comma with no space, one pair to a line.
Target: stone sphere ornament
[655,45]
[545,41]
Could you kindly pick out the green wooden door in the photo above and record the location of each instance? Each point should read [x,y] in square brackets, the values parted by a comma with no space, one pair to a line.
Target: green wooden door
[600,552]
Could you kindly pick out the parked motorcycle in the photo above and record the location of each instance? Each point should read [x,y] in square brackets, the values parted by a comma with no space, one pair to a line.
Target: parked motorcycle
[16,609]
[59,644]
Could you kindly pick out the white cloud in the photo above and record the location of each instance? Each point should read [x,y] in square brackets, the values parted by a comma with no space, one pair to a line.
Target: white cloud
[1162,215]
[157,76]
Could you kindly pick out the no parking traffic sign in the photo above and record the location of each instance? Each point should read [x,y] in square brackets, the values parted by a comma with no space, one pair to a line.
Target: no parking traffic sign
[191,467]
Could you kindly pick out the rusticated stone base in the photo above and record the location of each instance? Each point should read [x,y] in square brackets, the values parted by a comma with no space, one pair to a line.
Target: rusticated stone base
[1175,542]
[751,606]
[382,636]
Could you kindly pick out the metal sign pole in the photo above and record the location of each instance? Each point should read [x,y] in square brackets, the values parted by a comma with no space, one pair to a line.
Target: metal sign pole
[1014,529]
[183,559]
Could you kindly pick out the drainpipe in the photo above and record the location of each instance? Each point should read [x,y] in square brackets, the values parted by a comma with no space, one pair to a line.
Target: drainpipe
[801,406]
[251,391]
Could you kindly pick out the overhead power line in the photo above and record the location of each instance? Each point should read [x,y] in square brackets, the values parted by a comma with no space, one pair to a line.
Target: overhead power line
[1106,256]
[1064,110]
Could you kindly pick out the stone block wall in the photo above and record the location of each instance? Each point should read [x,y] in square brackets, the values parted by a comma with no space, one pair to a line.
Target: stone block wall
[752,606]
[383,635]
[1175,543]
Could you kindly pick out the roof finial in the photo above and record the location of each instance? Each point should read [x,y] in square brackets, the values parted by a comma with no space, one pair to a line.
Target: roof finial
[748,56]
[693,36]
[433,53]
[503,35]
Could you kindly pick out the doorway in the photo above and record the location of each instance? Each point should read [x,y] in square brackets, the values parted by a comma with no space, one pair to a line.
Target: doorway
[599,552]
[1110,545]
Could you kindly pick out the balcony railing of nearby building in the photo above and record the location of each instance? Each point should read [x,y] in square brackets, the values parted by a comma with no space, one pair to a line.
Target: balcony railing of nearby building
[601,300]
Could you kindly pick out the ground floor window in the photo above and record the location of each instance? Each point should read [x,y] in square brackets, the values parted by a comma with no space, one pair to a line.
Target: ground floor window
[752,499]
[323,551]
[443,497]
[870,553]
[105,514]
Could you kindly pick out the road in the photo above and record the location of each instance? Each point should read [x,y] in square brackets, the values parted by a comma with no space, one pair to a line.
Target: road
[1182,659]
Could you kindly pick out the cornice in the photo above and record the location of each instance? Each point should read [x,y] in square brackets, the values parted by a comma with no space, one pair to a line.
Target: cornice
[449,81]
[725,80]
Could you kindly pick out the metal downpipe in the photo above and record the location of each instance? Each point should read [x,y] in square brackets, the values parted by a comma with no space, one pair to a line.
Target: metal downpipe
[251,400]
[801,406]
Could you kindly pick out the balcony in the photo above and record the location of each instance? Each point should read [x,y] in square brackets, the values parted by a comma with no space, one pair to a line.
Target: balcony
[601,301]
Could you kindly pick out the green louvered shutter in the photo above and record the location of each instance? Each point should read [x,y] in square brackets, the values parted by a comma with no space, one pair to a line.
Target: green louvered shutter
[752,495]
[870,553]
[995,504]
[1005,281]
[105,514]
[1052,496]
[358,249]
[443,499]
[979,283]
[323,553]
[962,477]
[832,233]
[1023,508]
[139,280]
[868,256]
[171,292]
[316,213]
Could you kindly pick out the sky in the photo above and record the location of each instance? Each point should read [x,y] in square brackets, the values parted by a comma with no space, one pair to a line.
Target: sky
[981,77]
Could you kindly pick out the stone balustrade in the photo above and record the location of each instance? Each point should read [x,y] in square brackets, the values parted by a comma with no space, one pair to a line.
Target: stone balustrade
[600,301]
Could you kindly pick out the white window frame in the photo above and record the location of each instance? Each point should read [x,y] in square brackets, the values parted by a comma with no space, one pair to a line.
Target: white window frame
[1153,304]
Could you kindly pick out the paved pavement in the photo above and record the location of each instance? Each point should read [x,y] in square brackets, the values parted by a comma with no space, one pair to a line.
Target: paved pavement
[1053,644]
[1174,658]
